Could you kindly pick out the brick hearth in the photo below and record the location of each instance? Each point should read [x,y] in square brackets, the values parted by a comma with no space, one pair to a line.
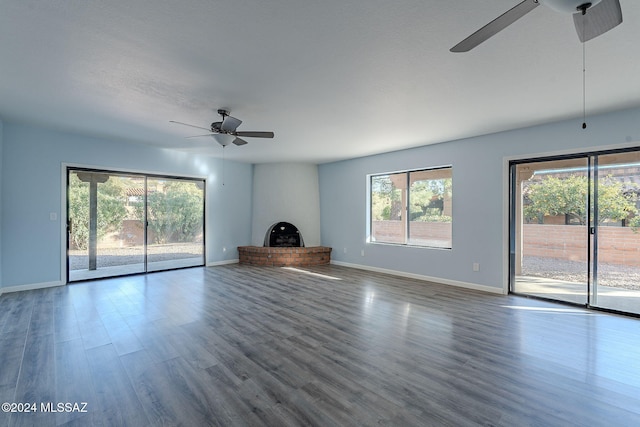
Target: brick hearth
[281,257]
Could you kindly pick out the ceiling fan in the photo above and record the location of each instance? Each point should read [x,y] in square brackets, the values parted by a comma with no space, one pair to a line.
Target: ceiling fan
[224,130]
[591,19]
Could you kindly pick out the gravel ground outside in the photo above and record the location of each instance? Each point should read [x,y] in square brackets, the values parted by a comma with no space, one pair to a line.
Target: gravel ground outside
[610,275]
[109,257]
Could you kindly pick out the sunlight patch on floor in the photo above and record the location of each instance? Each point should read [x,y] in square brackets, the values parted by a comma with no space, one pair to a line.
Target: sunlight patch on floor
[311,273]
[548,309]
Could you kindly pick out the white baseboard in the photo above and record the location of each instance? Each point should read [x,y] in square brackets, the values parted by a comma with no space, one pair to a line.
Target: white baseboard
[225,262]
[457,283]
[43,285]
[30,287]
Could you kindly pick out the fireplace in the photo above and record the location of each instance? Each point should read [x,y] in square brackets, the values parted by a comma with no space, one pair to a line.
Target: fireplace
[283,246]
[283,235]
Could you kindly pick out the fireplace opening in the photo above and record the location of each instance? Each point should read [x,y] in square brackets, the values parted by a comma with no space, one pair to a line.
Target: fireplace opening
[283,234]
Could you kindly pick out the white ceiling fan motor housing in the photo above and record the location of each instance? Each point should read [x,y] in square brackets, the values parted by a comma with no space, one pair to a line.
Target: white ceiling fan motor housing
[567,6]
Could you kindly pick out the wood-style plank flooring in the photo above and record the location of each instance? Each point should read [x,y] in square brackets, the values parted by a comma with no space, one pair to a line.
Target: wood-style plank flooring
[328,346]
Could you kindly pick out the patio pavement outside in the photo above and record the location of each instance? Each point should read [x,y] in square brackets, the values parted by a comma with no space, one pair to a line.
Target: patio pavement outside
[618,286]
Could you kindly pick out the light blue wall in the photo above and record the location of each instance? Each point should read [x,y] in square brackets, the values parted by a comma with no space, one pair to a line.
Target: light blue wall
[31,179]
[479,197]
[31,162]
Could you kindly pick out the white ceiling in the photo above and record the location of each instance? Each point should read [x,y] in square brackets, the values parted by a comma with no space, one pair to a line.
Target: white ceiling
[334,79]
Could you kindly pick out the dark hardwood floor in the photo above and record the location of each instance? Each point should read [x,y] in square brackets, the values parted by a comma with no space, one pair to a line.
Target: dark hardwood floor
[240,345]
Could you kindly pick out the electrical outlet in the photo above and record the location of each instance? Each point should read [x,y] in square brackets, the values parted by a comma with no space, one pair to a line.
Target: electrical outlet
[362,252]
[476,266]
[344,250]
[53,216]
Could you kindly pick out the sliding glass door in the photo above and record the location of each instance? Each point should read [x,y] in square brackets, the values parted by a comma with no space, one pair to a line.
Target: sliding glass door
[550,249]
[175,232]
[121,224]
[574,230]
[616,259]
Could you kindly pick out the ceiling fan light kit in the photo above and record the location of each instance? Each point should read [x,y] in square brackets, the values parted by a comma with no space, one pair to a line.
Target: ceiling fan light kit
[224,132]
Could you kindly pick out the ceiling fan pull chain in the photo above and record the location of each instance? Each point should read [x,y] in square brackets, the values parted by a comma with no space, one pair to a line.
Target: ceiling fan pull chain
[584,73]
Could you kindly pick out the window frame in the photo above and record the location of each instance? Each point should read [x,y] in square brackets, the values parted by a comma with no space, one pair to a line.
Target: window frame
[406,208]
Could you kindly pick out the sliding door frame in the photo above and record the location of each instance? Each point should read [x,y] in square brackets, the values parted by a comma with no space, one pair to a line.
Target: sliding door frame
[591,157]
[64,220]
[511,218]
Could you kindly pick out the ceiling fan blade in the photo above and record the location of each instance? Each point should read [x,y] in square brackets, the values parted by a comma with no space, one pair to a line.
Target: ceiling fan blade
[198,136]
[251,134]
[598,20]
[239,141]
[187,124]
[495,26]
[230,124]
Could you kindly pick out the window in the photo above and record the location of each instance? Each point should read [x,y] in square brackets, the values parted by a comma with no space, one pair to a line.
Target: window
[412,208]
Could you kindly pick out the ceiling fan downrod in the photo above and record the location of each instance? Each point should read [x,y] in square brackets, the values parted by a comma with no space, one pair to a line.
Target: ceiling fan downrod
[583,8]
